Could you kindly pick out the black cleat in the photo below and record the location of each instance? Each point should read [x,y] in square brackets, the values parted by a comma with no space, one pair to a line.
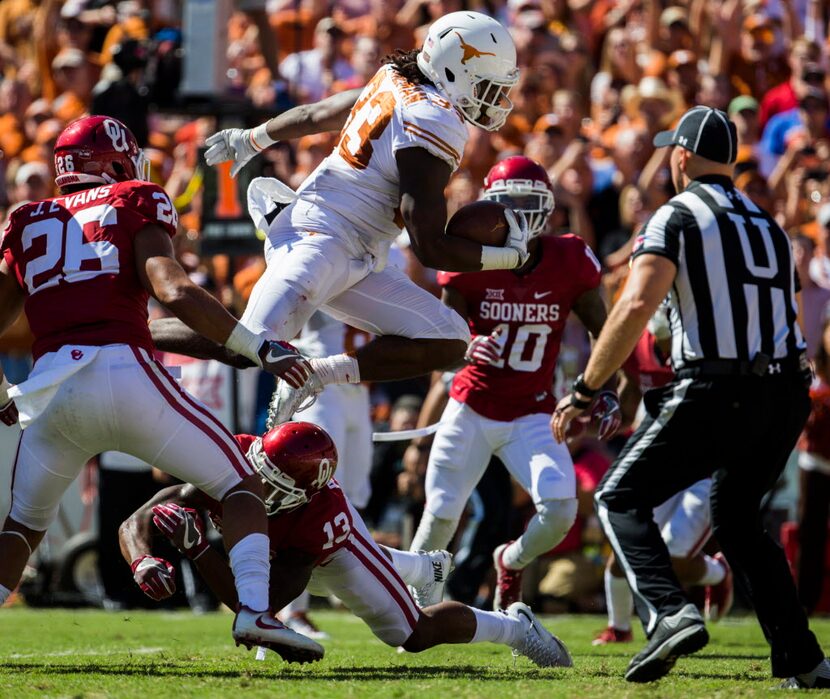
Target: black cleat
[682,633]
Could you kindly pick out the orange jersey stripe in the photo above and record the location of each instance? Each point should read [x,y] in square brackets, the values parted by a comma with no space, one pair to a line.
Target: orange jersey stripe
[437,139]
[432,138]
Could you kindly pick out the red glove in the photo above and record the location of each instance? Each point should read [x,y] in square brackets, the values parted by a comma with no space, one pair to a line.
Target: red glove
[605,414]
[284,361]
[155,576]
[184,527]
[484,349]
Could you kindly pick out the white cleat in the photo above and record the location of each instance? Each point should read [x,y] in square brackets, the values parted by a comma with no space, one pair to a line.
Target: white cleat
[287,401]
[433,591]
[301,623]
[539,644]
[252,628]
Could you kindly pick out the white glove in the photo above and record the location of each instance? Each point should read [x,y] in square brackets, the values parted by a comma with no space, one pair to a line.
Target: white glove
[518,234]
[235,144]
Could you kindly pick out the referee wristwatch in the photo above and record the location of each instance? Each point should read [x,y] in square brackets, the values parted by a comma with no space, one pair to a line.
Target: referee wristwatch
[583,389]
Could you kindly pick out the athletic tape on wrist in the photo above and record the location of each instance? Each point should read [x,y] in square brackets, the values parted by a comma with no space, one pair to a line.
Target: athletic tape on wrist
[260,139]
[498,258]
[244,342]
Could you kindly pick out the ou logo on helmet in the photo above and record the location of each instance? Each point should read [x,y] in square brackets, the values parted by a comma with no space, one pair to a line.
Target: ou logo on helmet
[118,135]
[324,474]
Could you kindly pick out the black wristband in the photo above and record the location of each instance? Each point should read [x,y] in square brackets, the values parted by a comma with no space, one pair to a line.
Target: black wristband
[580,387]
[581,404]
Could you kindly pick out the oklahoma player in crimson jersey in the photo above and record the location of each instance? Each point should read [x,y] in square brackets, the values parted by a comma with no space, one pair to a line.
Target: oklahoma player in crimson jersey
[318,539]
[83,265]
[684,519]
[501,401]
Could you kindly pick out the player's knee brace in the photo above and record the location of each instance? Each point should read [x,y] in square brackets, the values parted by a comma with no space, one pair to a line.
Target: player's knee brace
[557,516]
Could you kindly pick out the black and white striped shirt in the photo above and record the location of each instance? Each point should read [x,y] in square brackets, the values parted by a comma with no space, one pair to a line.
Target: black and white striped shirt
[734,293]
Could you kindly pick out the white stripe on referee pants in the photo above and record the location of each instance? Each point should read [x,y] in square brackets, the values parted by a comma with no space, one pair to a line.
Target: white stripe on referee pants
[678,394]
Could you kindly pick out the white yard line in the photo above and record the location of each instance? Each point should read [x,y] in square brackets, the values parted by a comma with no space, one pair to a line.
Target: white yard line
[141,650]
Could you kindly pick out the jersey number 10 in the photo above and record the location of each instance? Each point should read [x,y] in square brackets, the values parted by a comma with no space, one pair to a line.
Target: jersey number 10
[517,349]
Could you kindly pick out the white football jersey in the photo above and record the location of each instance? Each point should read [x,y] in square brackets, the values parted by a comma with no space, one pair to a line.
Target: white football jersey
[354,193]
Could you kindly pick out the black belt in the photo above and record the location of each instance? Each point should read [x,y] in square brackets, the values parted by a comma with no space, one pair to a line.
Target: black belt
[761,366]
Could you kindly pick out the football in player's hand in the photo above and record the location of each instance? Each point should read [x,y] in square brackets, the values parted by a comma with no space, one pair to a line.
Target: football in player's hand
[482,221]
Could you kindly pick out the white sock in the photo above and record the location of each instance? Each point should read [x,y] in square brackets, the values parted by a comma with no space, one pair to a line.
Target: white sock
[339,368]
[714,574]
[620,602]
[413,567]
[4,594]
[433,533]
[249,560]
[497,627]
[298,606]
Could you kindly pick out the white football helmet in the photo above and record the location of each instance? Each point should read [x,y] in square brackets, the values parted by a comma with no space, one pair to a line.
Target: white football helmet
[471,59]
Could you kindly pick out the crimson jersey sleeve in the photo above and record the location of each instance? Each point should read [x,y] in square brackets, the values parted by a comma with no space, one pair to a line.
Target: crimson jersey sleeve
[319,528]
[244,441]
[585,267]
[146,203]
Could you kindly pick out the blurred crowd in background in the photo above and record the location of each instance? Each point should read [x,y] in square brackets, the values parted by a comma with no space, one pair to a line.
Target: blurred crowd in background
[598,79]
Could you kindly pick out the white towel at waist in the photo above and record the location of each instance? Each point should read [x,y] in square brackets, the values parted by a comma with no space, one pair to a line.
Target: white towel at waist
[34,395]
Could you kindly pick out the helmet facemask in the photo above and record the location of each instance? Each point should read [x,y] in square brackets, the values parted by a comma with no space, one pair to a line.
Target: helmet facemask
[281,492]
[490,105]
[533,199]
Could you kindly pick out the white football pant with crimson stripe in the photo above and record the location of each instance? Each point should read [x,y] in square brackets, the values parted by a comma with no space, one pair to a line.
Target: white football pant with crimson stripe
[122,400]
[685,520]
[363,577]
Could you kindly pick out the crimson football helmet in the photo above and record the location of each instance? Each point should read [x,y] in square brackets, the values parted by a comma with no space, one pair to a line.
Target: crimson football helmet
[98,150]
[522,185]
[295,460]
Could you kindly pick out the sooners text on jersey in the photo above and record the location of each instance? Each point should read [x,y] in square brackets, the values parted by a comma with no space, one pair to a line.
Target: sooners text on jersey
[73,256]
[319,528]
[530,311]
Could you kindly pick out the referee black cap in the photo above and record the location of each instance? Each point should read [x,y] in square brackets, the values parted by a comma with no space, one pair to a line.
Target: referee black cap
[705,131]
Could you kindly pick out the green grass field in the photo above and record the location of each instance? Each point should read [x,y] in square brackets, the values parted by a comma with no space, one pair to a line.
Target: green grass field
[48,653]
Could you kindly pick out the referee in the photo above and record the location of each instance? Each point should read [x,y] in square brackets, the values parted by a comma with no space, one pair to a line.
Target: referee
[733,412]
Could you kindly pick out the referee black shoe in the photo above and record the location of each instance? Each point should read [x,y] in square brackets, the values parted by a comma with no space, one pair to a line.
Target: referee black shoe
[682,633]
[818,678]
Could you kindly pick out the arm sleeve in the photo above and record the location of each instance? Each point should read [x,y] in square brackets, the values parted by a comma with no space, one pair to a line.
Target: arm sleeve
[149,204]
[586,265]
[661,235]
[425,124]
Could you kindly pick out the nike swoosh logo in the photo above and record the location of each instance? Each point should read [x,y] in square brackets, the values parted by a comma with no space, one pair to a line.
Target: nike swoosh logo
[271,357]
[538,296]
[261,625]
[187,542]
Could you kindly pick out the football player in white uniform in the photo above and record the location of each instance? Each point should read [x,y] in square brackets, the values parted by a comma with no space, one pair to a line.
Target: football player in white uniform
[403,138]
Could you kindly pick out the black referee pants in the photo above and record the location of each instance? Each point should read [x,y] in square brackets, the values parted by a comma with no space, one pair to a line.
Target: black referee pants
[741,432]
